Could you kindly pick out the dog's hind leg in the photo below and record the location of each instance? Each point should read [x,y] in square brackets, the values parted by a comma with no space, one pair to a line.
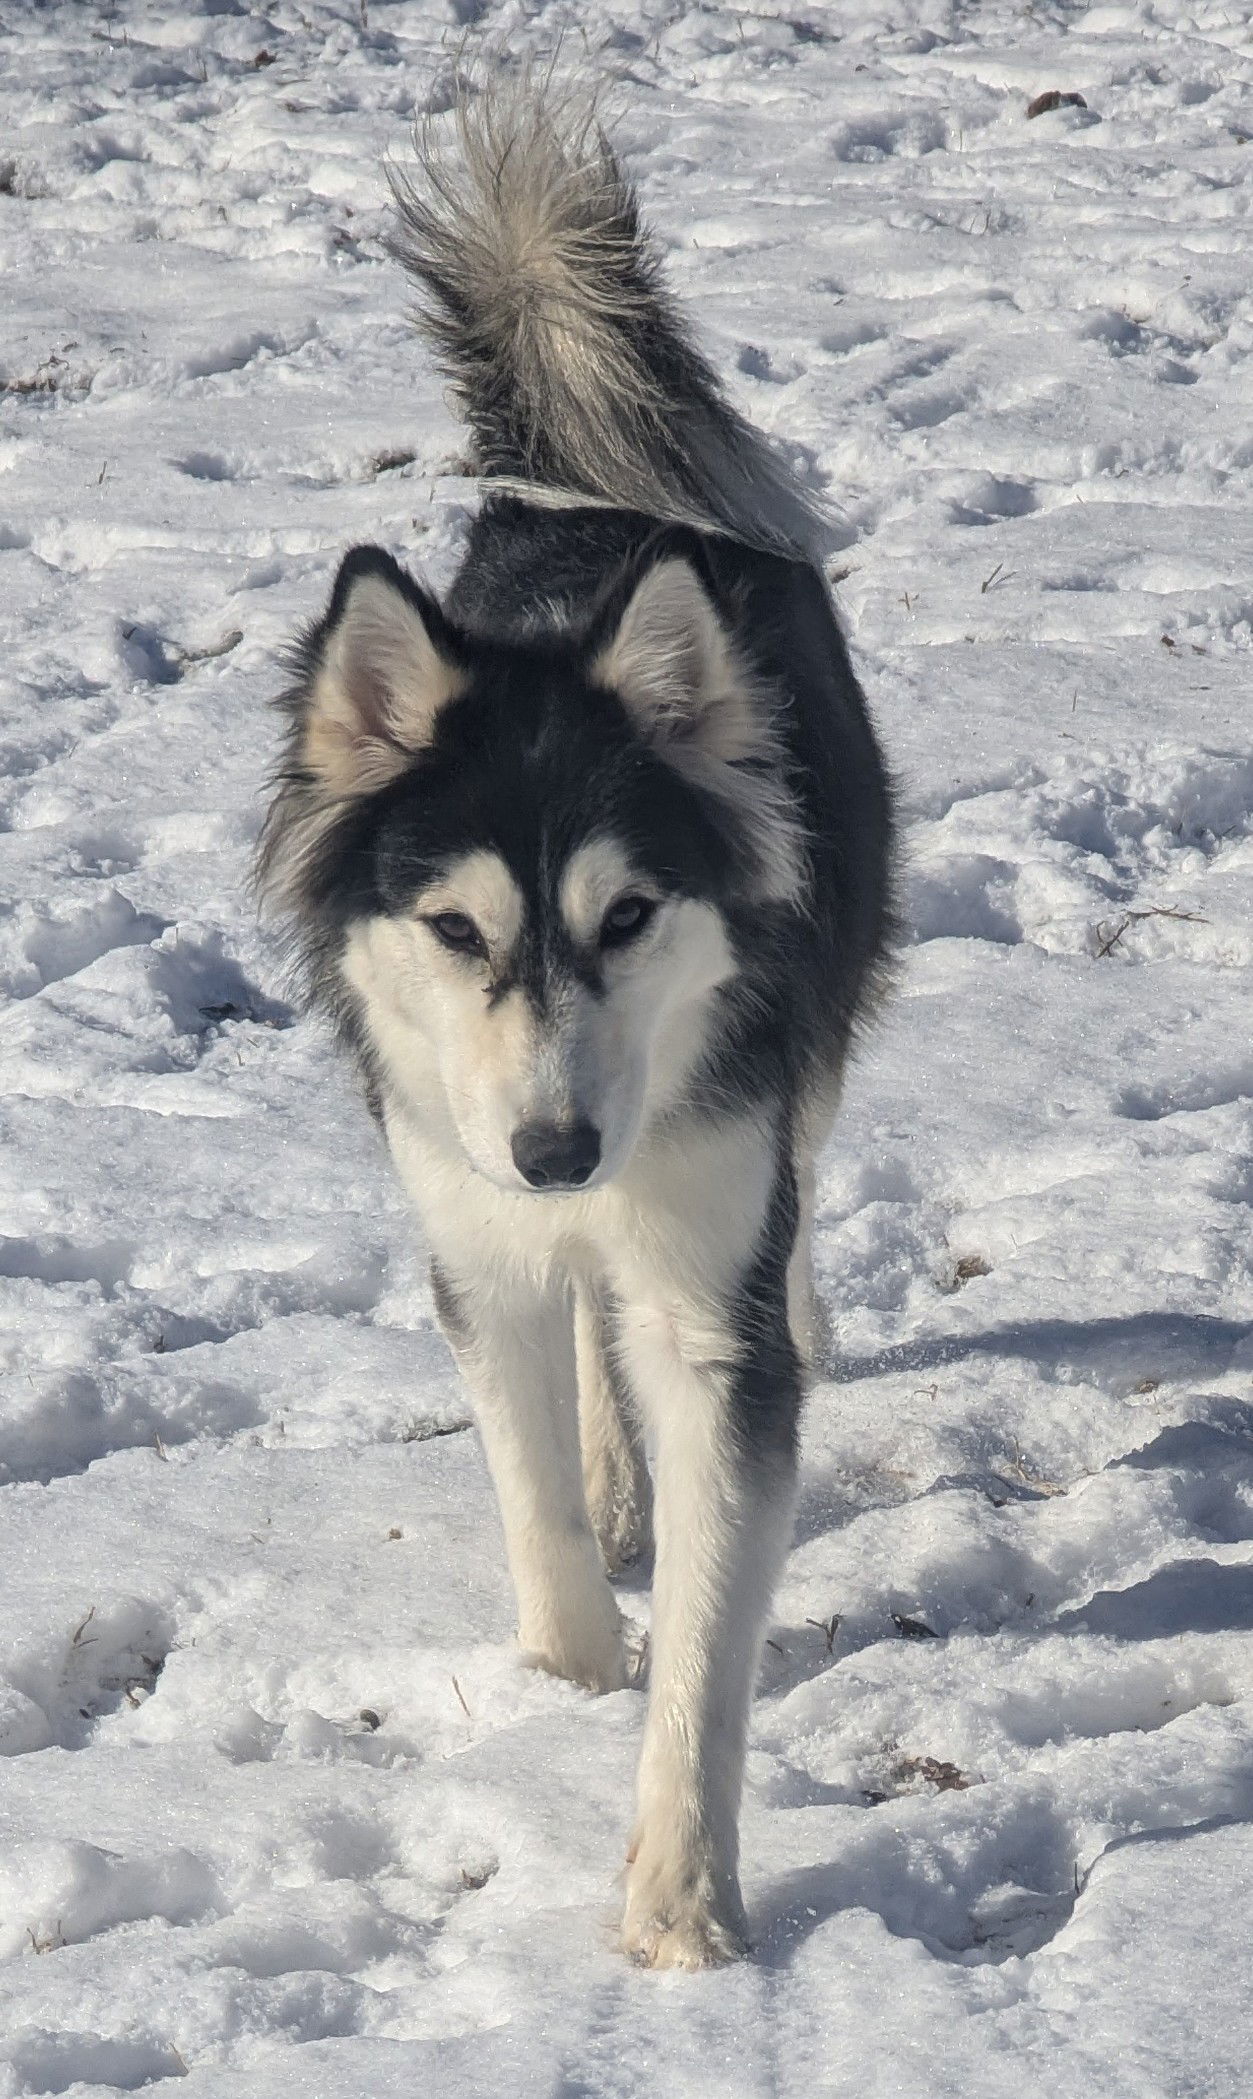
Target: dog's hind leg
[807,1317]
[514,1341]
[802,1300]
[616,1484]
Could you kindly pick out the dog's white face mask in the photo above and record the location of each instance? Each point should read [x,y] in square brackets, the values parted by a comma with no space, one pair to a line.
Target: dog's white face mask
[546,1047]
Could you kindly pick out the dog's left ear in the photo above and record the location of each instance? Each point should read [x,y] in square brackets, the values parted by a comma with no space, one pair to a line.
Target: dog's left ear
[659,643]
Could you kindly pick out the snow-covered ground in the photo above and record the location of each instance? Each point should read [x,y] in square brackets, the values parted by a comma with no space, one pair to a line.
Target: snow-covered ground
[281,1811]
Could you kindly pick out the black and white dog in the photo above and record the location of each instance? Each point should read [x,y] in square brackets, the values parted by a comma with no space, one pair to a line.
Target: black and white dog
[589,866]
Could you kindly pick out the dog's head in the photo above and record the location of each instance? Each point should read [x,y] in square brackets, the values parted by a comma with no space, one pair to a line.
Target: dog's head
[515,868]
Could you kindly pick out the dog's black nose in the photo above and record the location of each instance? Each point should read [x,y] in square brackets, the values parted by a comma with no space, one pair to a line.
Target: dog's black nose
[551,1157]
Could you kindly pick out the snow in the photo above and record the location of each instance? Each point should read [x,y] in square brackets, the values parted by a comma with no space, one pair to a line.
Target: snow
[280,1809]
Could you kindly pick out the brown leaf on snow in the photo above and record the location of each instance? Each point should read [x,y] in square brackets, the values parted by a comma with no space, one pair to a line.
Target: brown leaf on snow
[1053,98]
[946,1778]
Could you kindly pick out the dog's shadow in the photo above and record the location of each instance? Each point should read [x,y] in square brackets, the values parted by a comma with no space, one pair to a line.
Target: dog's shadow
[999,1872]
[964,1914]
[1161,1345]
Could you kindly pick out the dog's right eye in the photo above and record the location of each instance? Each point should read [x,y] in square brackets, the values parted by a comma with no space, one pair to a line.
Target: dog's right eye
[458,932]
[623,920]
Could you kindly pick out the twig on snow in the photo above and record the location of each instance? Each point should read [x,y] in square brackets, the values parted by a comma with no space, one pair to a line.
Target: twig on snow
[1107,943]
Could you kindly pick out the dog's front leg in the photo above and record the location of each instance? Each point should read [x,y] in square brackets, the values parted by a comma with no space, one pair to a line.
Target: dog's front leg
[514,1342]
[725,1469]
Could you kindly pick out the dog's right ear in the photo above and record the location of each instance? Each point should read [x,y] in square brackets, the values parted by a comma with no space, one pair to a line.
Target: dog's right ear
[380,666]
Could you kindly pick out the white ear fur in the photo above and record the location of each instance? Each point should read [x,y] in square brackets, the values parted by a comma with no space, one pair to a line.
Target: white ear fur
[676,669]
[672,664]
[376,693]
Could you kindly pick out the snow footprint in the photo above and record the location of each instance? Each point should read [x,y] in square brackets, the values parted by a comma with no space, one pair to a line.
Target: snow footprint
[54,1893]
[56,948]
[54,2062]
[111,1656]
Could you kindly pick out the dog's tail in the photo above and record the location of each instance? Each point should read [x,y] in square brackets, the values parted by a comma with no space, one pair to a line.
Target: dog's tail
[542,293]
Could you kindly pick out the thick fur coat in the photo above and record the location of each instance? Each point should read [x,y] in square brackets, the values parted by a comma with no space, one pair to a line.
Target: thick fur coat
[589,865]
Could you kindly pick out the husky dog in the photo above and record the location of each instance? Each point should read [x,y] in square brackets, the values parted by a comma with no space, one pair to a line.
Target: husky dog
[588,864]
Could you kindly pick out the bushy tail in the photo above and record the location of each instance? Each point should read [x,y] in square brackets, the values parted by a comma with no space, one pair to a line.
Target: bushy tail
[543,295]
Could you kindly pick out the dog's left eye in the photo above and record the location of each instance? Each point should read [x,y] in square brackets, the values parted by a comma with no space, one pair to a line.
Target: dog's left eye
[625,919]
[457,932]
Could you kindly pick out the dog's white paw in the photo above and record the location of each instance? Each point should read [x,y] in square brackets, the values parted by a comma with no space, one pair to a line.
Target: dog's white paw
[596,1669]
[680,1919]
[695,1941]
[568,1620]
[581,1640]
